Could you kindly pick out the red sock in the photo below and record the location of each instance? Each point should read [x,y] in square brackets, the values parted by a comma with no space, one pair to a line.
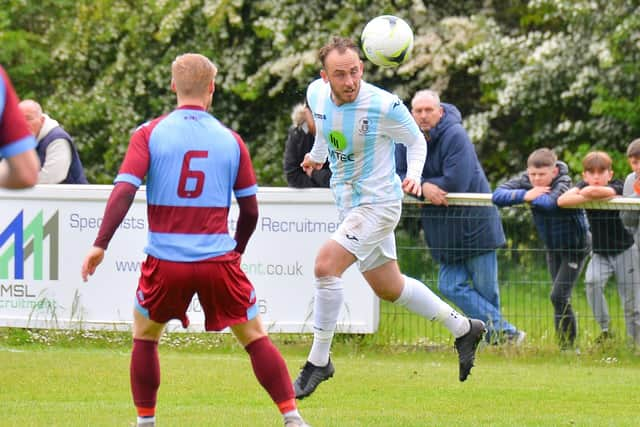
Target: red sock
[145,376]
[272,373]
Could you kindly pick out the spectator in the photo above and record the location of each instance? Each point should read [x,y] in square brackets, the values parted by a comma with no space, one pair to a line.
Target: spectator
[564,232]
[59,159]
[631,218]
[463,240]
[18,160]
[190,183]
[614,250]
[299,142]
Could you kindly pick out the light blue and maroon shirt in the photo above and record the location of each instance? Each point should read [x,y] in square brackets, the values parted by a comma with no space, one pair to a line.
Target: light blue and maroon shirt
[15,137]
[193,165]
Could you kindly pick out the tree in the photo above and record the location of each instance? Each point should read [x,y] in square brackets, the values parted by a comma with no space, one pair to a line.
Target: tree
[102,67]
[560,81]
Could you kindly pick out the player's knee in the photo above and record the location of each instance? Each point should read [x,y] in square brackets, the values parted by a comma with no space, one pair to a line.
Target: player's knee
[387,294]
[323,268]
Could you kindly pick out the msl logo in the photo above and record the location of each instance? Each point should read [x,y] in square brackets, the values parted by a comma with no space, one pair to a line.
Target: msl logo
[21,241]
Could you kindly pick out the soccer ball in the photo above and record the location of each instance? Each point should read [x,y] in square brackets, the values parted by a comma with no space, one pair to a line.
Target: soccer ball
[387,41]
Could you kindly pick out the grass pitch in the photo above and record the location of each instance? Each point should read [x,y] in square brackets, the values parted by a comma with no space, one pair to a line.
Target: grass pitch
[80,381]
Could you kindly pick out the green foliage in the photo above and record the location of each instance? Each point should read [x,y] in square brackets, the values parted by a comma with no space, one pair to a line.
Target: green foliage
[102,67]
[557,82]
[556,73]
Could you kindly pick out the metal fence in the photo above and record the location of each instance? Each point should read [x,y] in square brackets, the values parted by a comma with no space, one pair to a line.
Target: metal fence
[524,279]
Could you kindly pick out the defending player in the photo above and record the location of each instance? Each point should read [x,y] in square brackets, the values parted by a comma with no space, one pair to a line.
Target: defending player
[357,126]
[21,165]
[193,165]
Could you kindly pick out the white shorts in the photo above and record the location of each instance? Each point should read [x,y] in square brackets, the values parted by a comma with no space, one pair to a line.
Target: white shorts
[367,231]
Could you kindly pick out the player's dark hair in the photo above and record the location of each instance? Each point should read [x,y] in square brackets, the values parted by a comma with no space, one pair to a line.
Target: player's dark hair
[341,44]
[541,158]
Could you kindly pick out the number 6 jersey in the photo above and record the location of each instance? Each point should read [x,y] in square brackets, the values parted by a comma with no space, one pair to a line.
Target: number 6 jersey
[192,165]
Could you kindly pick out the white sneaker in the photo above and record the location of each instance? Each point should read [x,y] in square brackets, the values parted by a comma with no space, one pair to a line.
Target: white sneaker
[295,422]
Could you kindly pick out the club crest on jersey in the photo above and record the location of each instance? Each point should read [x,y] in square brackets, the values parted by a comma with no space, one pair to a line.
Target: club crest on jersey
[363,126]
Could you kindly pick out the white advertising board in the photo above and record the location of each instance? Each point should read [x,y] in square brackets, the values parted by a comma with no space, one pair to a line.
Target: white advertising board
[46,231]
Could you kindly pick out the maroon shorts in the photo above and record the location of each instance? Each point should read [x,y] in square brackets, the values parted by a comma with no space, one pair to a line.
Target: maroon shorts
[166,288]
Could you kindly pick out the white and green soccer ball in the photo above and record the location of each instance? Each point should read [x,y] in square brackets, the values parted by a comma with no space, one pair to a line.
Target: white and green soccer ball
[387,41]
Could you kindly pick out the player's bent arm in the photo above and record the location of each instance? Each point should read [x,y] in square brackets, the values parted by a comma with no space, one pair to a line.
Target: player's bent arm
[247,220]
[21,171]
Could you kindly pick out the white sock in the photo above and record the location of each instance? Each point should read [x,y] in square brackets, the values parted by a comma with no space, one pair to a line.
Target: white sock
[418,298]
[146,421]
[328,301]
[292,414]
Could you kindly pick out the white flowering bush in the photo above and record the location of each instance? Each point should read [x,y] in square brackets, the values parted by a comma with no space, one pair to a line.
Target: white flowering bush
[556,82]
[556,73]
[102,67]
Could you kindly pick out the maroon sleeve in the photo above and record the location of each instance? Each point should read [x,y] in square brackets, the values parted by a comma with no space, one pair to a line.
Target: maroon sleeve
[13,125]
[247,220]
[246,175]
[136,160]
[117,207]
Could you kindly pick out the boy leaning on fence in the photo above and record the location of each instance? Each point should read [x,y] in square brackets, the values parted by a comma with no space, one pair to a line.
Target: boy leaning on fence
[564,232]
[614,250]
[631,218]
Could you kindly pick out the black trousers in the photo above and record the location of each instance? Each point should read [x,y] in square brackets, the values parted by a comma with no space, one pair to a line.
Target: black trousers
[565,267]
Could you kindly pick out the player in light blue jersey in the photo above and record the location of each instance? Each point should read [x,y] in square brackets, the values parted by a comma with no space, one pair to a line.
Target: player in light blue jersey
[357,127]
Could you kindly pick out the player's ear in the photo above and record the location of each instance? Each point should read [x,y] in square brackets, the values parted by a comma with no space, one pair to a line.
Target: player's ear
[324,75]
[212,87]
[173,85]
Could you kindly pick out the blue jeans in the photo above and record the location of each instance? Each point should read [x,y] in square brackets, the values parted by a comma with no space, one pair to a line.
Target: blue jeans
[473,286]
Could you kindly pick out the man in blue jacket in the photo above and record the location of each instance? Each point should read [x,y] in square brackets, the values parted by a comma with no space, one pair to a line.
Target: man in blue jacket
[462,239]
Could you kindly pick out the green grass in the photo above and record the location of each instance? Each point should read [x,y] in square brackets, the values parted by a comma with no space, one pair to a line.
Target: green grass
[81,379]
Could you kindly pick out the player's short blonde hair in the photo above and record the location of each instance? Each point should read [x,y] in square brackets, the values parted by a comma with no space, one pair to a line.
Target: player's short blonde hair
[191,73]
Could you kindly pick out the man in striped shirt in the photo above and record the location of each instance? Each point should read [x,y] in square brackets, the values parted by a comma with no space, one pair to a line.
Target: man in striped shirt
[357,127]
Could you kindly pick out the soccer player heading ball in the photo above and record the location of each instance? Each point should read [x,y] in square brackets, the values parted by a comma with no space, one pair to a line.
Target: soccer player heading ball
[357,127]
